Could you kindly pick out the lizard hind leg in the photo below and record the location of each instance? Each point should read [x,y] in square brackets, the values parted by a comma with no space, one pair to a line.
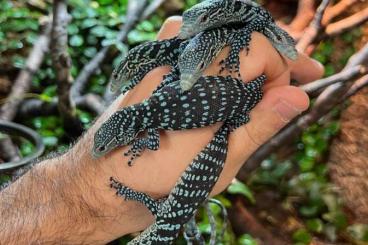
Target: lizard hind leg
[131,195]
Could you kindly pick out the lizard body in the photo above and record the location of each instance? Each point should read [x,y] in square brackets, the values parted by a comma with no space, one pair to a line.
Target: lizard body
[211,14]
[190,191]
[202,50]
[211,100]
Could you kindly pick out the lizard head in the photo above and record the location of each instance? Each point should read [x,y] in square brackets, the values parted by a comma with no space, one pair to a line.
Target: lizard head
[117,131]
[195,58]
[122,73]
[130,67]
[210,14]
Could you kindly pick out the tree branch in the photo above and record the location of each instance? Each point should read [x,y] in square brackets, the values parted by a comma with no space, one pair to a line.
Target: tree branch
[35,107]
[62,63]
[314,28]
[304,15]
[336,10]
[343,76]
[356,87]
[135,10]
[348,23]
[22,83]
[155,4]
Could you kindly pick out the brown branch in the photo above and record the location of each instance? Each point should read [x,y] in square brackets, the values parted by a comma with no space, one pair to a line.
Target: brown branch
[155,4]
[134,11]
[21,86]
[356,87]
[9,152]
[326,101]
[91,102]
[304,15]
[62,64]
[243,222]
[343,76]
[22,83]
[314,28]
[35,107]
[348,23]
[336,10]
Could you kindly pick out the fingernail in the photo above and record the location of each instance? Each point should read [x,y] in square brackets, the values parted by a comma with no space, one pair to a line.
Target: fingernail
[286,111]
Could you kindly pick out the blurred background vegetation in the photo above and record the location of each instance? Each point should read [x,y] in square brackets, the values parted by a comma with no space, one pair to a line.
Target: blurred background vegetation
[290,195]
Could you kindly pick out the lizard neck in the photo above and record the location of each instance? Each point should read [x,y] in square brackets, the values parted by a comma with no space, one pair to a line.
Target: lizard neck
[144,115]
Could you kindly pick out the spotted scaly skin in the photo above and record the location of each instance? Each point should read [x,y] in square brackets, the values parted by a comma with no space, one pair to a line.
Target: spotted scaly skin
[190,191]
[211,100]
[142,59]
[202,50]
[216,98]
[211,14]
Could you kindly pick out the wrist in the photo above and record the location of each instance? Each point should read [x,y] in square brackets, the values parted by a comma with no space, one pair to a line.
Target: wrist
[110,216]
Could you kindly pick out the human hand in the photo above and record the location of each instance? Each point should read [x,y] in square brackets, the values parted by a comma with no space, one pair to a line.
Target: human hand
[156,172]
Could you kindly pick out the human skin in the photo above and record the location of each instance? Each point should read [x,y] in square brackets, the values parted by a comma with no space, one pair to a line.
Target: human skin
[67,199]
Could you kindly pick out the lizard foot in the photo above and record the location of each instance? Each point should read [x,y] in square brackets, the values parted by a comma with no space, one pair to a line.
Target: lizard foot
[131,195]
[122,190]
[136,150]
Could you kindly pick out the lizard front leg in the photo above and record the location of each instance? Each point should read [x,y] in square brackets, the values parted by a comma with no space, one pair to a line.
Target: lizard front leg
[151,142]
[239,41]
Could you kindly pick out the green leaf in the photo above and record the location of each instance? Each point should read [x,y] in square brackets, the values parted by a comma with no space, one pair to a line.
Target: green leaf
[247,240]
[302,236]
[26,148]
[309,211]
[50,140]
[358,232]
[306,164]
[90,52]
[315,225]
[4,178]
[76,41]
[87,23]
[237,187]
[99,31]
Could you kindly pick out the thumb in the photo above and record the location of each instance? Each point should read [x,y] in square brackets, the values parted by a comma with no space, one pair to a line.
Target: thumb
[279,106]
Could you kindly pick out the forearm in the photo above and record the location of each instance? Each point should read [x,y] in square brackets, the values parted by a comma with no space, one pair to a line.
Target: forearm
[67,199]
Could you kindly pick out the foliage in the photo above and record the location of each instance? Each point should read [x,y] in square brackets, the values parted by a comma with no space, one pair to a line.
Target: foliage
[302,179]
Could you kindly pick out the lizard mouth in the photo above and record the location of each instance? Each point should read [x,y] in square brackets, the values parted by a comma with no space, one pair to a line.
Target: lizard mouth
[103,149]
[186,81]
[185,33]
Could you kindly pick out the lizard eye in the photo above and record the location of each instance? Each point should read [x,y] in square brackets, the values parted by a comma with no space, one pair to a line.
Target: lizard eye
[101,148]
[204,18]
[201,66]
